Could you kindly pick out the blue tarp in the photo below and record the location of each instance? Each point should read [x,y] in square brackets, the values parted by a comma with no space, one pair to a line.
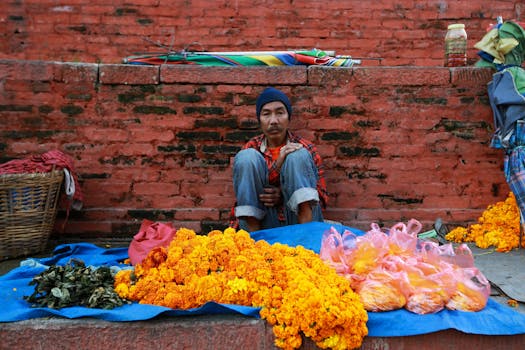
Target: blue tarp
[495,319]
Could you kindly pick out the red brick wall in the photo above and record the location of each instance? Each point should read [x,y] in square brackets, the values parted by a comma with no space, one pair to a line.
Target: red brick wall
[157,142]
[400,32]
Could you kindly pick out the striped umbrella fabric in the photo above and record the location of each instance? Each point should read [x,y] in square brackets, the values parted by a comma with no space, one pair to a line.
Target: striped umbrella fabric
[246,58]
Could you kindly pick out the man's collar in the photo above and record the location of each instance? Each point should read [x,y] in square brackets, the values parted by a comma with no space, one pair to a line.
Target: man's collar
[264,143]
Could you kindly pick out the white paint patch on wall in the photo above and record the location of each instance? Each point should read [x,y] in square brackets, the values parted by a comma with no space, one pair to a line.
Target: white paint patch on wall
[62,9]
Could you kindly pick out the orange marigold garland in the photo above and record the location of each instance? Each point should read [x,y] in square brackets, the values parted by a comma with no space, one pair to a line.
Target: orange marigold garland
[498,226]
[298,293]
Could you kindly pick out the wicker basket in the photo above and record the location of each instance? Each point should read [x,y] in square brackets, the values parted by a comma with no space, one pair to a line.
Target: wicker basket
[28,207]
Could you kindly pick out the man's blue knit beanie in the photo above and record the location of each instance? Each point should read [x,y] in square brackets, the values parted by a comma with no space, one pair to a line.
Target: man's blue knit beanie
[272,94]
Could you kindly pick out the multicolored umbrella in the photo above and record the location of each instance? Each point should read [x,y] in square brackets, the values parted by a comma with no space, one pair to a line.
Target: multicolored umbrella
[246,58]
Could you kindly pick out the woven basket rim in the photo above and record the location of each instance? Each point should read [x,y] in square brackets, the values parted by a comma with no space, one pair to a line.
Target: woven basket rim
[31,176]
[36,173]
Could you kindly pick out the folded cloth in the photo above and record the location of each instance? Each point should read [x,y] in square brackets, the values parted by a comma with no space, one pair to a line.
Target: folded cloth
[151,235]
[497,47]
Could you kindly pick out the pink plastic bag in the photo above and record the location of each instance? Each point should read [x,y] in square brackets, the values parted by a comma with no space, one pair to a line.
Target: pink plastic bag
[381,290]
[395,269]
[428,288]
[460,256]
[332,250]
[403,238]
[151,235]
[472,293]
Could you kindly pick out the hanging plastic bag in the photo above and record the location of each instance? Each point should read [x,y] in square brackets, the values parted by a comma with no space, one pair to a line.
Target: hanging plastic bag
[151,235]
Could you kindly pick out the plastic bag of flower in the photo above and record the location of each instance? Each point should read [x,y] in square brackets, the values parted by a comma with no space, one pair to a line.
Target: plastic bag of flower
[428,277]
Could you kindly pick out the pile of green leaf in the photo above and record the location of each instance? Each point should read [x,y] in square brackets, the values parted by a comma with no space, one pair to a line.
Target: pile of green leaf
[74,284]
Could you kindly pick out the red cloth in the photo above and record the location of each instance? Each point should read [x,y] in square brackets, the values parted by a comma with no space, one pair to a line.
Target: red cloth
[151,235]
[43,163]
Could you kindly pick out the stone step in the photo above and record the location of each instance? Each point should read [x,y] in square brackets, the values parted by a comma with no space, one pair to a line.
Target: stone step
[208,332]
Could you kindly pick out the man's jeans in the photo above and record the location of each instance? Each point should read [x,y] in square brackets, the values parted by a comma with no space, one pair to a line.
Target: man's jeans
[298,184]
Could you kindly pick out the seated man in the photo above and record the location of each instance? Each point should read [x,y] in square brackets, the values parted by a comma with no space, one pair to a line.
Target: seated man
[277,176]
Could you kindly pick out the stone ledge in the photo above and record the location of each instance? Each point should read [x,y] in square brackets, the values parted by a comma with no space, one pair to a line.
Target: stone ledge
[208,332]
[295,75]
[279,75]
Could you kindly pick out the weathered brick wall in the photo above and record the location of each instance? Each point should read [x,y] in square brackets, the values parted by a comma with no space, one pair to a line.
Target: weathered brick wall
[157,142]
[400,32]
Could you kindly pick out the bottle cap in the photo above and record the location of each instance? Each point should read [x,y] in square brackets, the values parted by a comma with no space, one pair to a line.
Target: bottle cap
[456,26]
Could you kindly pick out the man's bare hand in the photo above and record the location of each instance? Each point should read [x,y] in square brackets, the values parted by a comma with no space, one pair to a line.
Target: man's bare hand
[286,150]
[271,196]
[289,148]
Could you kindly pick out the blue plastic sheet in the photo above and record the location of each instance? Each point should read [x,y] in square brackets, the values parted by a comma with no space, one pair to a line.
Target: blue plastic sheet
[495,319]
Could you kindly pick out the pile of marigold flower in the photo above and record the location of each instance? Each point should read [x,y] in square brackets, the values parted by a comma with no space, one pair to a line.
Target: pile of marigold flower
[298,293]
[498,226]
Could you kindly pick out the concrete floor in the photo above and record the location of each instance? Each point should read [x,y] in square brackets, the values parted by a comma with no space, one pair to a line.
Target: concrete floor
[506,273]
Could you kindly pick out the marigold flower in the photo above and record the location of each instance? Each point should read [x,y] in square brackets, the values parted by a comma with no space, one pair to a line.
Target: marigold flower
[298,293]
[498,226]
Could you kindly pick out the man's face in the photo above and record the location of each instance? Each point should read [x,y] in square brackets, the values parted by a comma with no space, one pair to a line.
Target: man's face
[274,122]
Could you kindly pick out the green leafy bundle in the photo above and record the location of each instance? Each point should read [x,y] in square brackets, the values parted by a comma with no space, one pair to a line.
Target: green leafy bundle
[74,284]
